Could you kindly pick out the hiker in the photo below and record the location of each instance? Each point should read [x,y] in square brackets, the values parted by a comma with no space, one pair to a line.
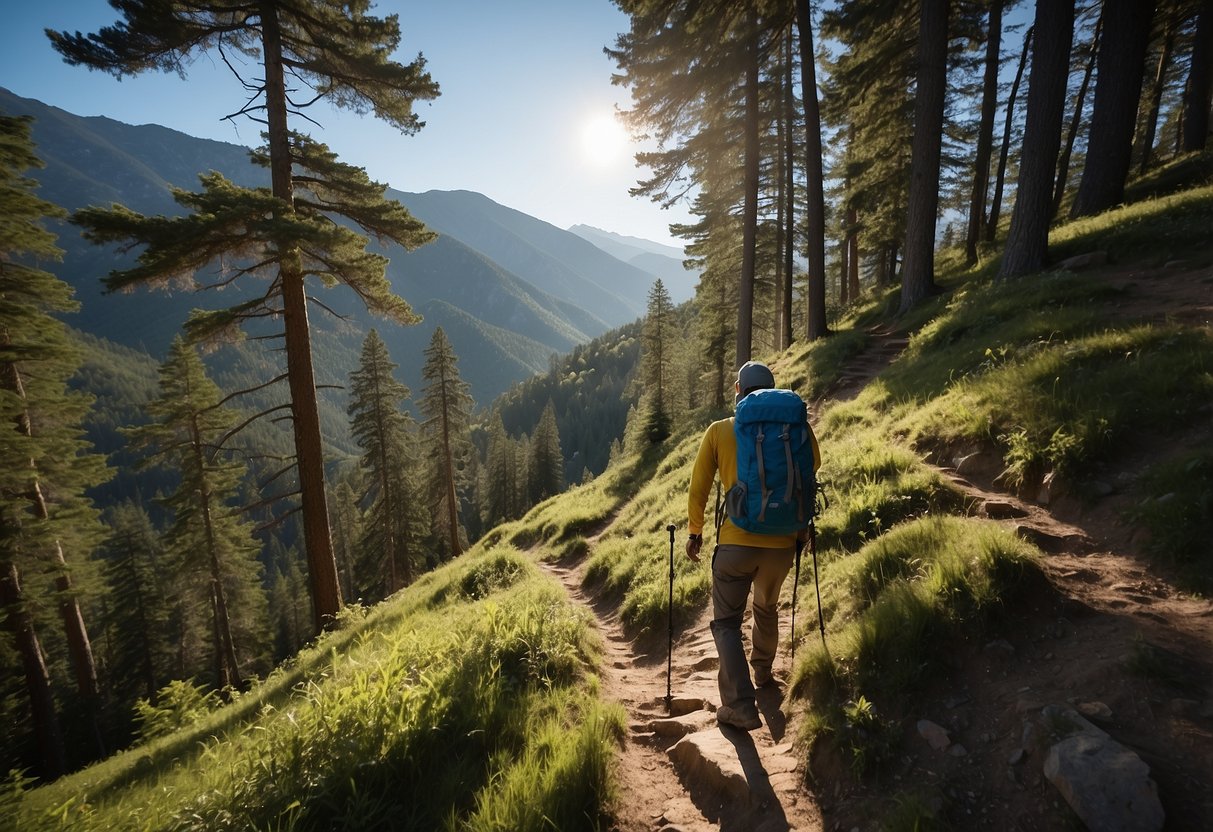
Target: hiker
[742,559]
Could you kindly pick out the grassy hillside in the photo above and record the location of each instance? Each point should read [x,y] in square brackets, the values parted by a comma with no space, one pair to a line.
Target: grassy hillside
[467,701]
[470,701]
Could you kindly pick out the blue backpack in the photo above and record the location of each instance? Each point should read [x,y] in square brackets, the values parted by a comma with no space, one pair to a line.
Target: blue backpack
[776,486]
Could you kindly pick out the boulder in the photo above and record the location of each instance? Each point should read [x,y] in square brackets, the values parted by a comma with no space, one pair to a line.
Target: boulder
[1107,785]
[680,726]
[1083,261]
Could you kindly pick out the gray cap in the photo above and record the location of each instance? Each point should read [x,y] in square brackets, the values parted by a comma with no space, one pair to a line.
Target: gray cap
[754,375]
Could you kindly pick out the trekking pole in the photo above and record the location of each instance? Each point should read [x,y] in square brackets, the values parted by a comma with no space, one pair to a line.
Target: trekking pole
[669,666]
[821,622]
[795,590]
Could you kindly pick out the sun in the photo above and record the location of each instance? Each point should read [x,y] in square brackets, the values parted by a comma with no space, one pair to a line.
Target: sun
[603,139]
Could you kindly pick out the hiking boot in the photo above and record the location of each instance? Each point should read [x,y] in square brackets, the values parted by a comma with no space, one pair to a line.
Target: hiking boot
[743,715]
[763,677]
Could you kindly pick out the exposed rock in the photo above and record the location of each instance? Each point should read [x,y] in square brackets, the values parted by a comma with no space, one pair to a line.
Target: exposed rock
[1002,510]
[934,734]
[1107,785]
[958,750]
[680,726]
[681,706]
[1175,264]
[1097,711]
[707,663]
[712,758]
[1016,757]
[1082,261]
[1102,489]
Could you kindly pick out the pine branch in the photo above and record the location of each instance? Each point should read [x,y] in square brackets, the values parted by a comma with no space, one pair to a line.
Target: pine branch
[247,422]
[226,399]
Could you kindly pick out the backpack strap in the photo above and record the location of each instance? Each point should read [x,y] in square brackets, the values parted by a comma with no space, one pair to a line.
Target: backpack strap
[786,436]
[762,476]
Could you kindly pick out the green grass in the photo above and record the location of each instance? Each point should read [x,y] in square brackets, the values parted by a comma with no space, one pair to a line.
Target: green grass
[1166,228]
[1177,509]
[476,712]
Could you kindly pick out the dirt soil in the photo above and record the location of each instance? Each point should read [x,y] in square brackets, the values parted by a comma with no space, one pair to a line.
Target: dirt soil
[1107,632]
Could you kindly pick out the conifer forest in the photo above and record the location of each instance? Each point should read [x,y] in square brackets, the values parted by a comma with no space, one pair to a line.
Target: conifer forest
[322,477]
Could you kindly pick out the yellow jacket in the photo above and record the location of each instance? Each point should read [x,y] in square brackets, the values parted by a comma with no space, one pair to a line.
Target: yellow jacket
[718,458]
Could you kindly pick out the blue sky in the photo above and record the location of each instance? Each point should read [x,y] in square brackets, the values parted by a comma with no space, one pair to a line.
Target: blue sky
[520,80]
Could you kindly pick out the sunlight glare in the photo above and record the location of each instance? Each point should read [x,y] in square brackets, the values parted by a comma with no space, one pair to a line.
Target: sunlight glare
[603,139]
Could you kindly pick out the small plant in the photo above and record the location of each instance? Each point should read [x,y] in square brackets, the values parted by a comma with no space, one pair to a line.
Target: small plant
[178,704]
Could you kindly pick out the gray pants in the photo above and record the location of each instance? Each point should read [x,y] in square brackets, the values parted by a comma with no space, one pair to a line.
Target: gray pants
[734,570]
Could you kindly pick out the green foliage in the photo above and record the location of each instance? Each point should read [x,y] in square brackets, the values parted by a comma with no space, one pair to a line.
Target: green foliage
[891,605]
[446,407]
[468,714]
[1177,509]
[179,704]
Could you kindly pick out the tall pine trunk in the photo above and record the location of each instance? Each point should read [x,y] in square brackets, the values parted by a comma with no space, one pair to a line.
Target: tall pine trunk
[1156,92]
[227,669]
[1000,177]
[1199,88]
[853,253]
[1122,58]
[309,450]
[789,186]
[918,269]
[37,678]
[1028,238]
[815,212]
[1063,165]
[749,218]
[79,646]
[985,134]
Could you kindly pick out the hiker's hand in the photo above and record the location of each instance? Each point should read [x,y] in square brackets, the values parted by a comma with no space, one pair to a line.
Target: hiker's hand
[693,546]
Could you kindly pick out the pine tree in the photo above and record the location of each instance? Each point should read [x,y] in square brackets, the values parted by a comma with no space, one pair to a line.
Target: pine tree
[546,467]
[1028,238]
[384,432]
[45,466]
[286,232]
[140,615]
[1122,55]
[985,132]
[1005,152]
[446,406]
[1198,92]
[655,361]
[214,550]
[918,275]
[815,213]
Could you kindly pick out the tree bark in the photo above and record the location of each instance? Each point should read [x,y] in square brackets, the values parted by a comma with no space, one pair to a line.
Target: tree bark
[1199,88]
[985,134]
[1122,58]
[1028,238]
[918,269]
[79,646]
[996,202]
[853,253]
[789,185]
[37,677]
[309,449]
[1063,166]
[815,213]
[749,219]
[448,459]
[1156,93]
[227,669]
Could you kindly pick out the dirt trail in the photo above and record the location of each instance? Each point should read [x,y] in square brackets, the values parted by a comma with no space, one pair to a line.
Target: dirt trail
[687,773]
